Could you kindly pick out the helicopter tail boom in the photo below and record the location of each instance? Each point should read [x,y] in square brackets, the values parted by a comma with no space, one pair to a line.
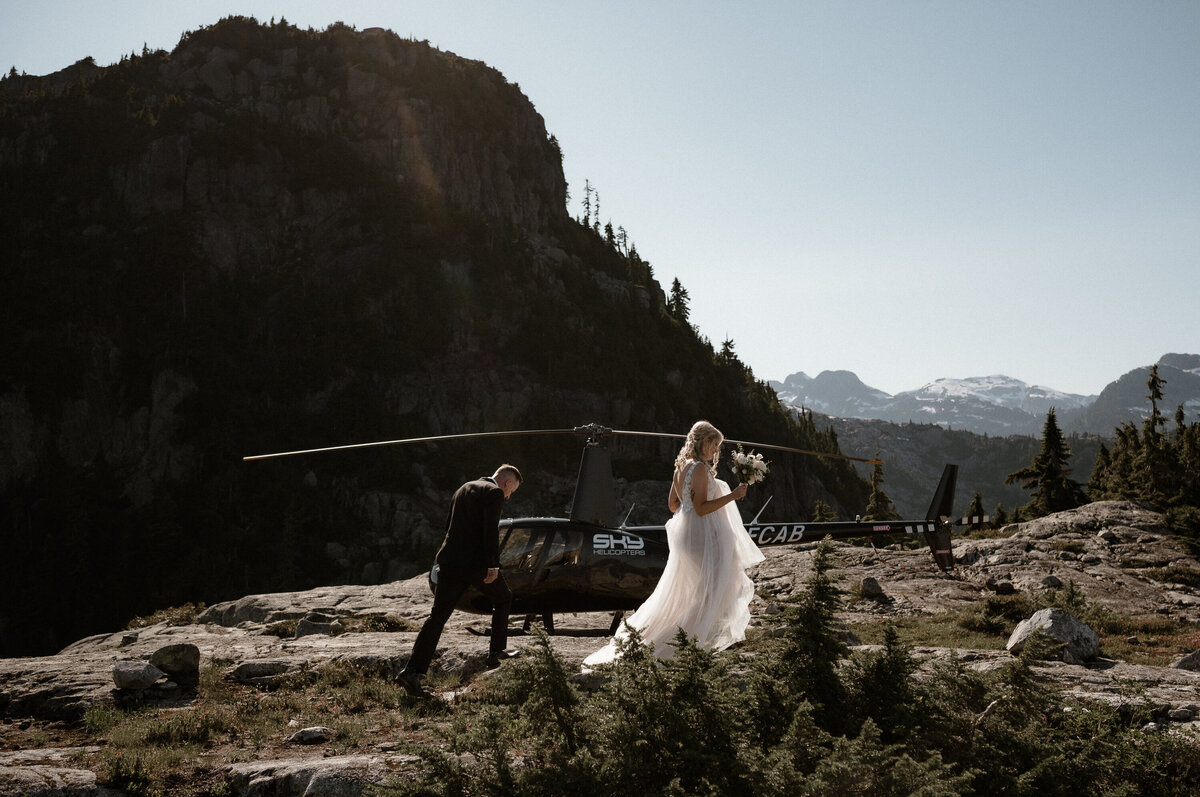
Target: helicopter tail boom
[935,527]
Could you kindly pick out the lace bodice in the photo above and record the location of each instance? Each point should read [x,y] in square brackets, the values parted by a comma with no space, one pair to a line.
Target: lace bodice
[685,500]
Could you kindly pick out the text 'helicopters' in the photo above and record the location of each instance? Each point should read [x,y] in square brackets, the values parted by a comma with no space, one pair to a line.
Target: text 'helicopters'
[589,563]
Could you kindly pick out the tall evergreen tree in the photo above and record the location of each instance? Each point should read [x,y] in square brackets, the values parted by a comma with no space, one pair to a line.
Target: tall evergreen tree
[677,303]
[1154,470]
[814,643]
[727,356]
[1098,483]
[1187,458]
[1048,476]
[879,505]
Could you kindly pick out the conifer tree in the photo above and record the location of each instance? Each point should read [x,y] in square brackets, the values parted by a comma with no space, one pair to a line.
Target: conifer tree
[822,512]
[1187,459]
[1048,476]
[1098,483]
[975,509]
[1153,469]
[677,304]
[813,644]
[879,505]
[727,356]
[1119,481]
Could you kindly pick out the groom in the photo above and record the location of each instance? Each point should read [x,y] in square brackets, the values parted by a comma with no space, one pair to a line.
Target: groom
[469,557]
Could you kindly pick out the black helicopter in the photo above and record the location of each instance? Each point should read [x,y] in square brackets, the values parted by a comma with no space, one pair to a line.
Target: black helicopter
[589,563]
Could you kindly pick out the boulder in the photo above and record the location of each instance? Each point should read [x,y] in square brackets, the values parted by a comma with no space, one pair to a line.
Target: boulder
[38,773]
[263,673]
[1080,642]
[181,663]
[318,734]
[1000,586]
[1189,662]
[869,588]
[136,674]
[334,776]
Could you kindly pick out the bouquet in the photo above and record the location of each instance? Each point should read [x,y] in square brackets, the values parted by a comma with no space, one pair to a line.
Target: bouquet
[748,467]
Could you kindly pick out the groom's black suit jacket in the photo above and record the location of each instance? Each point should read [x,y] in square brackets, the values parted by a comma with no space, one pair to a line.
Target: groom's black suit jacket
[472,539]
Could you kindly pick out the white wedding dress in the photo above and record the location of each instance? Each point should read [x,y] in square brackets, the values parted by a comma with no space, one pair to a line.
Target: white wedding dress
[704,589]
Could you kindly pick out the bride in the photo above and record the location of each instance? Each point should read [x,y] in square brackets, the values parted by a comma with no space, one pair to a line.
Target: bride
[704,589]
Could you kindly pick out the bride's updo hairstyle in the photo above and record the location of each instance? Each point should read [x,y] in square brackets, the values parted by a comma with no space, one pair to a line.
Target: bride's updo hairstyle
[700,433]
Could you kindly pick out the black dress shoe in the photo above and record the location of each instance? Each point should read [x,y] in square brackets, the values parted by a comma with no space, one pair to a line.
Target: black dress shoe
[412,684]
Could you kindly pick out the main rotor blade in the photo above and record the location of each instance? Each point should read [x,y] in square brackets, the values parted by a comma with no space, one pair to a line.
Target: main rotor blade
[408,440]
[760,445]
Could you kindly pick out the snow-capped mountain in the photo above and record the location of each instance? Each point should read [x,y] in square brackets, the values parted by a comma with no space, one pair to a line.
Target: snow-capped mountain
[1002,391]
[998,405]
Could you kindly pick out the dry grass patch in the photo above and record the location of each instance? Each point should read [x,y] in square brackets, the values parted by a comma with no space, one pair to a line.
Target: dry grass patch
[157,751]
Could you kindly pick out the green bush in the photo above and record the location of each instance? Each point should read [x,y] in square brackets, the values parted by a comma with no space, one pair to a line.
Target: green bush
[795,715]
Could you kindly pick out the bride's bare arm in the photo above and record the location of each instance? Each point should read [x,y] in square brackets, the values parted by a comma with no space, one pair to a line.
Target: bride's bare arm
[673,502]
[700,488]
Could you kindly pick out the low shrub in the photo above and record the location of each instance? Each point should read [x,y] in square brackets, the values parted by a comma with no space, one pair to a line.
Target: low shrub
[176,615]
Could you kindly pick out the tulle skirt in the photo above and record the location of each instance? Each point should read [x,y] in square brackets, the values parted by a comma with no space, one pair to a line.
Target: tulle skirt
[704,589]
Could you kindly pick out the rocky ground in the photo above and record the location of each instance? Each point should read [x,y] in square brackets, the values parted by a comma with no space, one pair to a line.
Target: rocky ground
[1116,554]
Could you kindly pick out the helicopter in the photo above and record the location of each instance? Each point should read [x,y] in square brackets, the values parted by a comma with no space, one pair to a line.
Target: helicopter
[588,562]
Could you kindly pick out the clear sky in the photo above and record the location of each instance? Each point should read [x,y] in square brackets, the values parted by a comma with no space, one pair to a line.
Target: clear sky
[907,190]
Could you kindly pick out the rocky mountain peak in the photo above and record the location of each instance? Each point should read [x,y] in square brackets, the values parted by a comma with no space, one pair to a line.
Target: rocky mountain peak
[454,128]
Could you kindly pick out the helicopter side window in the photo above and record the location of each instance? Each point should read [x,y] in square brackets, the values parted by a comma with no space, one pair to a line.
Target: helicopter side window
[521,547]
[564,548]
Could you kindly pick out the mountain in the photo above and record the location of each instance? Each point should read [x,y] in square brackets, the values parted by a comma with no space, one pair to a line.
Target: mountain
[272,239]
[998,405]
[915,453]
[838,393]
[1125,399]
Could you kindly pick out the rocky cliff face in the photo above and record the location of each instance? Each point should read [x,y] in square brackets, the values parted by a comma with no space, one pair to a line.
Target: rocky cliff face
[271,239]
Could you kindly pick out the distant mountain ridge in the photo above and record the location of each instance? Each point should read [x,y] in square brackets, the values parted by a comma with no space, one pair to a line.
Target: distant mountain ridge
[998,405]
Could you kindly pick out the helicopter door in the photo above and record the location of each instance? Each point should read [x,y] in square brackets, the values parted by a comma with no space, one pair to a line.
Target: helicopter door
[520,553]
[563,549]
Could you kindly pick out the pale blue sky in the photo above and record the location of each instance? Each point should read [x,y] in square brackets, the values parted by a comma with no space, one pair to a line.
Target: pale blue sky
[907,190]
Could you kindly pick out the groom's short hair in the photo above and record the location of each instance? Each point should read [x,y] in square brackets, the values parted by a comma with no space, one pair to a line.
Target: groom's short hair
[509,471]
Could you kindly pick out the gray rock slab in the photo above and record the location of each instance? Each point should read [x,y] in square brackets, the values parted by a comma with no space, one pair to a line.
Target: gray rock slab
[335,776]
